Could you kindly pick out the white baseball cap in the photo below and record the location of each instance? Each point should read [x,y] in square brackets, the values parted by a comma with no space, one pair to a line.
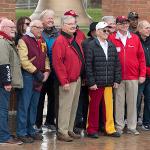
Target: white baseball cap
[101,25]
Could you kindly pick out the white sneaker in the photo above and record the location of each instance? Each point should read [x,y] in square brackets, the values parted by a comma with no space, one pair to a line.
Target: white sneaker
[133,131]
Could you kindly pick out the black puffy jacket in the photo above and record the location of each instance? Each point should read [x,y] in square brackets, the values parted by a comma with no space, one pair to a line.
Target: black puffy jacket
[100,71]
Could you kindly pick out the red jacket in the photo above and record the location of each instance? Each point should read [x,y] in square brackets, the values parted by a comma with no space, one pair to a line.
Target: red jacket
[65,58]
[131,56]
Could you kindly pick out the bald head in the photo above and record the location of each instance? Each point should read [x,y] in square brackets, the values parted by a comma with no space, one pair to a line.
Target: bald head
[8,27]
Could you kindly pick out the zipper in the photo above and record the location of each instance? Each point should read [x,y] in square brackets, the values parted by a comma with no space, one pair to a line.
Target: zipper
[106,71]
[124,62]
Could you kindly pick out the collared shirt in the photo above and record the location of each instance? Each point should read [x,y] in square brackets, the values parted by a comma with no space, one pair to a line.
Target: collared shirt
[123,38]
[104,46]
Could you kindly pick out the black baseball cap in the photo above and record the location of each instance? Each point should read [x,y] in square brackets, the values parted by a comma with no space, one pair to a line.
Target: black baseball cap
[133,15]
[92,28]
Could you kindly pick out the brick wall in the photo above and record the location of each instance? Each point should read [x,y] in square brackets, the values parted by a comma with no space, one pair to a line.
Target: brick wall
[7,8]
[122,7]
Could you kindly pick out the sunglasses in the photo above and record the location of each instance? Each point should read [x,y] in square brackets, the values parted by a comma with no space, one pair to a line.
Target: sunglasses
[27,24]
[105,30]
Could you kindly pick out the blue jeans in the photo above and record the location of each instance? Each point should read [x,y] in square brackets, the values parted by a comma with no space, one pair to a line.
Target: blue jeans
[4,102]
[28,99]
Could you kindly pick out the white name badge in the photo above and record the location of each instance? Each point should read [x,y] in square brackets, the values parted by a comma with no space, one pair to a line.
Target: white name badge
[118,49]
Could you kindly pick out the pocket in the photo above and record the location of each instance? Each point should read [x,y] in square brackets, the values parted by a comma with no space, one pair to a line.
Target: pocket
[32,59]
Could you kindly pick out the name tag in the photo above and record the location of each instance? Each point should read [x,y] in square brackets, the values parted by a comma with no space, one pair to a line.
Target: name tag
[118,49]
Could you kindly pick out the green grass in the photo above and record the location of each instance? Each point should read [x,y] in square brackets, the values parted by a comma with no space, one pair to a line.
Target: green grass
[23,12]
[96,13]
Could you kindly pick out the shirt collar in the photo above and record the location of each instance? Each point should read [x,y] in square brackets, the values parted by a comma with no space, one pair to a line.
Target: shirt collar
[119,35]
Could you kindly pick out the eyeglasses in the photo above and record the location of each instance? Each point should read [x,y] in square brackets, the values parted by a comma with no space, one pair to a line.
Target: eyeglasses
[71,24]
[40,28]
[27,23]
[123,23]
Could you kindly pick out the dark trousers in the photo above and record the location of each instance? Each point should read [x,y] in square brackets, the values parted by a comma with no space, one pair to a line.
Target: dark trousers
[49,89]
[82,110]
[146,92]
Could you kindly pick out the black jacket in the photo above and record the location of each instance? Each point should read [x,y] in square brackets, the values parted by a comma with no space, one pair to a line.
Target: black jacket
[100,71]
[146,47]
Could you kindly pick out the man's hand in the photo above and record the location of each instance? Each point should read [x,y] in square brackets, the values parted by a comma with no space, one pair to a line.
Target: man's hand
[66,87]
[8,88]
[141,80]
[46,75]
[94,87]
[116,85]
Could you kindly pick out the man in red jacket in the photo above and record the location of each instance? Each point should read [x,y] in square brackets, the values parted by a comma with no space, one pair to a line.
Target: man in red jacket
[68,63]
[132,59]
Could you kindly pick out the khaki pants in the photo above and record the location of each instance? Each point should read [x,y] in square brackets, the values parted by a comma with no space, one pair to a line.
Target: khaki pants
[68,103]
[127,91]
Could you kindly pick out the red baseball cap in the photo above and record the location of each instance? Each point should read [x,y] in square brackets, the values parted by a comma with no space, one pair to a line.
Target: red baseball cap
[121,19]
[71,13]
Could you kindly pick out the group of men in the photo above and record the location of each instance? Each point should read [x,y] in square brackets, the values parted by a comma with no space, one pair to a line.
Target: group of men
[111,65]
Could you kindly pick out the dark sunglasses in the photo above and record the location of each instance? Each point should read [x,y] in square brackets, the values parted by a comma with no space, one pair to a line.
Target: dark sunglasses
[106,30]
[27,24]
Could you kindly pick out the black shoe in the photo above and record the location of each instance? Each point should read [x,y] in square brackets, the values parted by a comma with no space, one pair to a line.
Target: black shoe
[115,134]
[26,139]
[93,135]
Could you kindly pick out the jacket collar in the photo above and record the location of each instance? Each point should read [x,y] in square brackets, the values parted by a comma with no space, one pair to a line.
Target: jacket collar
[98,43]
[5,36]
[128,35]
[66,35]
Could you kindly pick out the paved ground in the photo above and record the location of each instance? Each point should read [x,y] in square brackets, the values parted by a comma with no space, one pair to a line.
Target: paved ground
[126,142]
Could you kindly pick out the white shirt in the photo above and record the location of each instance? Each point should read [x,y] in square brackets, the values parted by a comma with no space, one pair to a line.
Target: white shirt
[123,38]
[104,46]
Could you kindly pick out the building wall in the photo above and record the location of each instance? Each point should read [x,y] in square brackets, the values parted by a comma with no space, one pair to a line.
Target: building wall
[122,7]
[7,8]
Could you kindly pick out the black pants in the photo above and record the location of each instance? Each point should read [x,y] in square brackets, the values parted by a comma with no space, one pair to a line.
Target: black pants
[49,89]
[82,110]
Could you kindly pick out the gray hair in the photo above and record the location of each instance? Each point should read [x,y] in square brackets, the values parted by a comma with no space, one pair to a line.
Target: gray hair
[65,18]
[35,22]
[141,24]
[46,13]
[108,18]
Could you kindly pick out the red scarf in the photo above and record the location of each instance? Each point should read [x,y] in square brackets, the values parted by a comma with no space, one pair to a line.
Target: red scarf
[5,36]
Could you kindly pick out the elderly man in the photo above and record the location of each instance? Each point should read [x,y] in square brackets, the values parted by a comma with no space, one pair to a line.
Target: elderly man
[144,35]
[35,69]
[10,76]
[68,62]
[111,21]
[103,73]
[80,121]
[131,55]
[49,34]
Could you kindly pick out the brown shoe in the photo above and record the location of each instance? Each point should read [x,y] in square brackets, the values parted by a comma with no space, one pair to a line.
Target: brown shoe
[13,141]
[73,135]
[37,136]
[63,137]
[26,139]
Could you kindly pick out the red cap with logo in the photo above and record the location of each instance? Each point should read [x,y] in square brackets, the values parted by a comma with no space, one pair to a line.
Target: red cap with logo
[121,19]
[71,13]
